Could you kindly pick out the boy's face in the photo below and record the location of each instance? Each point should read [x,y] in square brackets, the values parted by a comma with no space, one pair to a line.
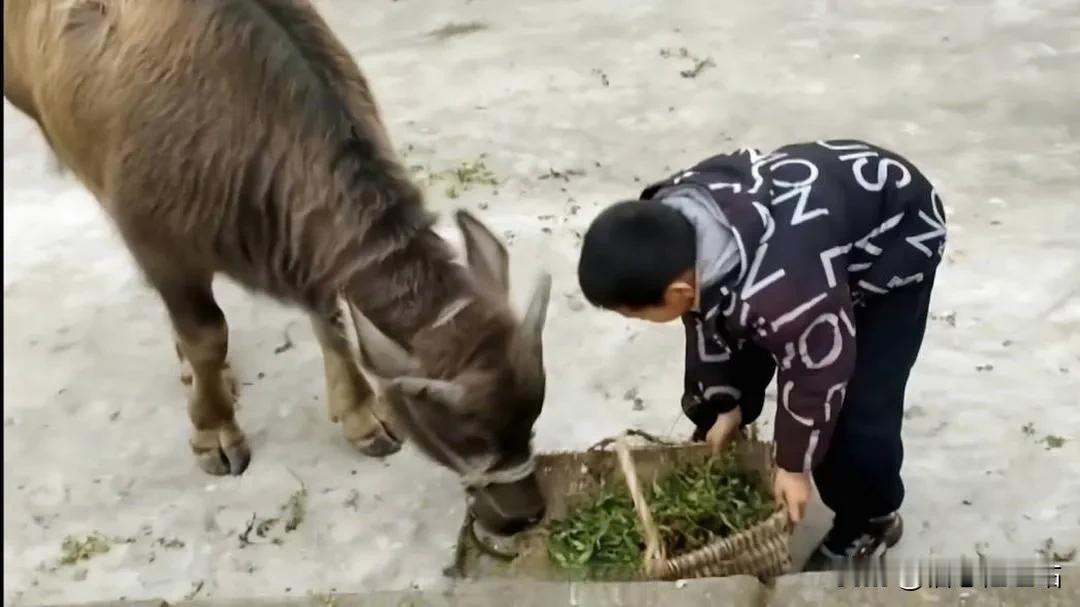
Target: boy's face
[679,299]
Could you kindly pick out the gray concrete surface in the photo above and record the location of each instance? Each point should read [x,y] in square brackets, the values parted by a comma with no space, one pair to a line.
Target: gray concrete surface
[983,95]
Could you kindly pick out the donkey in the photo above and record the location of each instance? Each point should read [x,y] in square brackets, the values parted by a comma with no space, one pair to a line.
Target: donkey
[239,137]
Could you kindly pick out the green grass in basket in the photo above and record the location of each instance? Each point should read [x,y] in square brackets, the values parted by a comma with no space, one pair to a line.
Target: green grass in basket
[692,506]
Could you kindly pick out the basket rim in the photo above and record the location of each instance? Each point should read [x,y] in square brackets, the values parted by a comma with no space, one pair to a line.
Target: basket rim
[776,525]
[545,455]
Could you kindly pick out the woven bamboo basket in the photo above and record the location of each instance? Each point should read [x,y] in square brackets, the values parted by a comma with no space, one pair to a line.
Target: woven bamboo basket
[571,478]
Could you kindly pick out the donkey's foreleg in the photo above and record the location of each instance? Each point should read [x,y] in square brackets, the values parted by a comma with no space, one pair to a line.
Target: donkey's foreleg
[185,366]
[350,398]
[186,372]
[202,341]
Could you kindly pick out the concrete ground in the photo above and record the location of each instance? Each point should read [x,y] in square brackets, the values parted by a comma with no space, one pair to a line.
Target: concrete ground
[983,96]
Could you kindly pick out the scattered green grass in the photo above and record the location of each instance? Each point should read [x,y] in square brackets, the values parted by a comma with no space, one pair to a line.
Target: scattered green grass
[1053,442]
[296,508]
[699,64]
[292,513]
[1049,551]
[74,549]
[459,179]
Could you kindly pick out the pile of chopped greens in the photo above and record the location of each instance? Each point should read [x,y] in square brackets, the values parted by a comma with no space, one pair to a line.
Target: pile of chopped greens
[692,506]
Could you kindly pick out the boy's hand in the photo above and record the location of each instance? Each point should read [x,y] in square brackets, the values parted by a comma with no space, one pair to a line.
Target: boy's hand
[721,433]
[793,490]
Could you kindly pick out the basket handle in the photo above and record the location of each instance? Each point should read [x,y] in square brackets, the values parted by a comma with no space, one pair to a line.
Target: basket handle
[654,549]
[632,432]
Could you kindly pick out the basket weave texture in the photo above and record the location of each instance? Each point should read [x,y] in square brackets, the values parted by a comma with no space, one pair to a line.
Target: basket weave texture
[572,478]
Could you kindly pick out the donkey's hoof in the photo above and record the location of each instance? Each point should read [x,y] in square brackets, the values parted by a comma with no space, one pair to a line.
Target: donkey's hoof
[239,457]
[232,459]
[213,462]
[380,444]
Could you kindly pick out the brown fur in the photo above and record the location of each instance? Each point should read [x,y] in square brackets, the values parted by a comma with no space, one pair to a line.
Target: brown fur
[238,136]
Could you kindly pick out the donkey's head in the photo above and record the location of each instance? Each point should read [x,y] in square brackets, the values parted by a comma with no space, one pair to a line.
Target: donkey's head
[469,394]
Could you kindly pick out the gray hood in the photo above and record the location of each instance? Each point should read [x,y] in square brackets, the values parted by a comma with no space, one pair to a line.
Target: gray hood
[717,248]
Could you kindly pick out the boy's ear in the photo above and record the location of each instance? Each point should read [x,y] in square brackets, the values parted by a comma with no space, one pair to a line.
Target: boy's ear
[679,291]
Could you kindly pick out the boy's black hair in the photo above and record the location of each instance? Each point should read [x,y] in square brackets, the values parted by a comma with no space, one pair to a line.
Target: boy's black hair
[632,252]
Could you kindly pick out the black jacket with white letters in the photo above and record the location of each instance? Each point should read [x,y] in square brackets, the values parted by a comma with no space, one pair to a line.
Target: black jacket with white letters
[819,226]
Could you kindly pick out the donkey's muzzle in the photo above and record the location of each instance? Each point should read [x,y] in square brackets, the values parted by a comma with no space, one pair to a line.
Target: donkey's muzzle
[509,508]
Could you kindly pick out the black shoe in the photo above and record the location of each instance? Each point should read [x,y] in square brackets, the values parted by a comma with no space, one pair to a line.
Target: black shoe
[846,543]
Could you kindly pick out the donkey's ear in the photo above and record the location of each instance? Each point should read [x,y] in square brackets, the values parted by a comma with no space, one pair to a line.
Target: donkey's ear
[485,253]
[536,313]
[381,354]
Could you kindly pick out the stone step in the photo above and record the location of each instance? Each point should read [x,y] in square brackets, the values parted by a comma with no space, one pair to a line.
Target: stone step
[795,590]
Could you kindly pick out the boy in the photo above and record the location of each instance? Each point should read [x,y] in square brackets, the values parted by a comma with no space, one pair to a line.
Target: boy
[816,262]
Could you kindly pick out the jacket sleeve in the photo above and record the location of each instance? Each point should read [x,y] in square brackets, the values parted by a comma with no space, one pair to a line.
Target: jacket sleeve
[709,386]
[814,342]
